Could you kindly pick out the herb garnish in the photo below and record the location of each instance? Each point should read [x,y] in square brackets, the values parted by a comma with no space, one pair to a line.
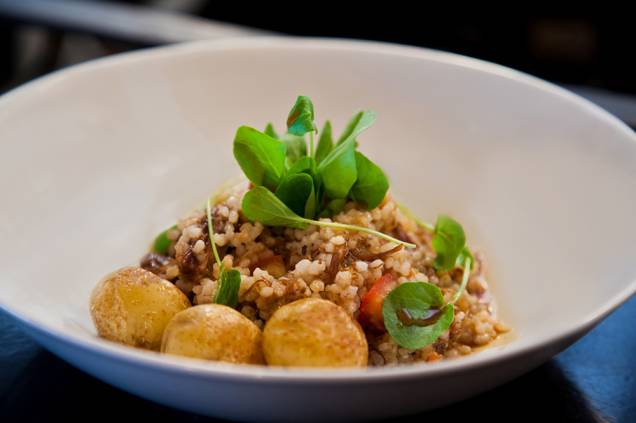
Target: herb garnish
[415,314]
[417,299]
[229,280]
[294,185]
[449,240]
[268,209]
[371,185]
[261,157]
[325,143]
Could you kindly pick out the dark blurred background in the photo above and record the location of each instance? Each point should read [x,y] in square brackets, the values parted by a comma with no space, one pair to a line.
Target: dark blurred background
[589,54]
[593,51]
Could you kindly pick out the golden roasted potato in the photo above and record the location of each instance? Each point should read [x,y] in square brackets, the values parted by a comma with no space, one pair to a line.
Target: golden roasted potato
[214,332]
[314,333]
[133,306]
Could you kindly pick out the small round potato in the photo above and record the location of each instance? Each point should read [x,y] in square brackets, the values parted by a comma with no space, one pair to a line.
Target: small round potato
[314,333]
[214,332]
[133,306]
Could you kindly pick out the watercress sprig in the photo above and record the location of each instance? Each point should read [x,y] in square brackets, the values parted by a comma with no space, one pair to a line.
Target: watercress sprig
[311,182]
[229,281]
[259,204]
[415,313]
[339,172]
[261,157]
[338,168]
[449,240]
[371,185]
[325,143]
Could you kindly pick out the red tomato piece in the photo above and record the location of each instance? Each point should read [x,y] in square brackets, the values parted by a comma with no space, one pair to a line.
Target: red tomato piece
[371,306]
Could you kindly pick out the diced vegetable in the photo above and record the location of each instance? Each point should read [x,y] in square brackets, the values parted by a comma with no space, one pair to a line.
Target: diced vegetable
[371,305]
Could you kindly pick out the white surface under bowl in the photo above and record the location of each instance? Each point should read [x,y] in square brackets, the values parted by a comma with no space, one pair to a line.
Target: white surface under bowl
[98,158]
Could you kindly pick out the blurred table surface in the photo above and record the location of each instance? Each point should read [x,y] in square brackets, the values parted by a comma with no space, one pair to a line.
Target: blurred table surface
[594,380]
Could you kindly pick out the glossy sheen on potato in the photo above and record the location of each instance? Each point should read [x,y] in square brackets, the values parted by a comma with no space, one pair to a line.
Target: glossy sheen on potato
[133,306]
[214,332]
[314,333]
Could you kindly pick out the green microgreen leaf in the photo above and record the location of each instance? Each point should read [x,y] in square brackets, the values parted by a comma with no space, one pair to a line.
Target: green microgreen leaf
[161,245]
[338,168]
[449,241]
[269,130]
[301,117]
[228,288]
[372,184]
[358,123]
[296,147]
[229,280]
[415,314]
[260,204]
[336,205]
[464,258]
[311,204]
[467,262]
[305,188]
[325,142]
[261,157]
[307,165]
[304,164]
[295,190]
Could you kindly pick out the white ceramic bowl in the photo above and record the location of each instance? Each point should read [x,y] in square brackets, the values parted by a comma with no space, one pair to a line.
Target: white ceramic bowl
[98,158]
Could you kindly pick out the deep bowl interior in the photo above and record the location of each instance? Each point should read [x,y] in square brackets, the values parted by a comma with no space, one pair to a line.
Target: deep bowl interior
[98,159]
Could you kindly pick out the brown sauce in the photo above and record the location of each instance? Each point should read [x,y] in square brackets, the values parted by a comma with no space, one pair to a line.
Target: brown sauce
[432,315]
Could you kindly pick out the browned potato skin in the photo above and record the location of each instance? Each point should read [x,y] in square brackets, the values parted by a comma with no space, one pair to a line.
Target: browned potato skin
[214,332]
[314,333]
[133,306]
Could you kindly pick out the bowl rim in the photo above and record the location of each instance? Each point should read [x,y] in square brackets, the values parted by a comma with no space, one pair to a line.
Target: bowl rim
[244,373]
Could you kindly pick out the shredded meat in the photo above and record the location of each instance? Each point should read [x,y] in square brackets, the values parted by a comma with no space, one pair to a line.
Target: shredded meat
[218,221]
[401,234]
[361,255]
[192,265]
[440,346]
[336,260]
[158,264]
